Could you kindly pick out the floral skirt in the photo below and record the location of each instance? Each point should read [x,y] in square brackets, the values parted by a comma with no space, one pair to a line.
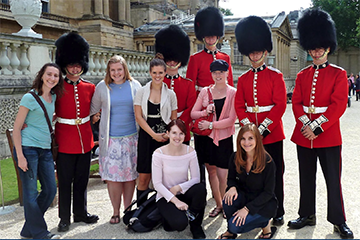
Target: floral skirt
[119,164]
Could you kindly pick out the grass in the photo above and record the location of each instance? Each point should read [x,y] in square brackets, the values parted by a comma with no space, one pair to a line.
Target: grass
[9,181]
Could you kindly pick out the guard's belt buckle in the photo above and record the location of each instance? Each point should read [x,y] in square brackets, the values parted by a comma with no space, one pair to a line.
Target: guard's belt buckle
[255,109]
[78,121]
[311,109]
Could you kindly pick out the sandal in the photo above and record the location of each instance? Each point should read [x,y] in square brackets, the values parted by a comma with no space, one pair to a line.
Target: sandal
[223,236]
[215,211]
[223,213]
[270,234]
[115,219]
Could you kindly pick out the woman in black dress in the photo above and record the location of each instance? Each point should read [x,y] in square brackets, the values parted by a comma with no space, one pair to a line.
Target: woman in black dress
[155,106]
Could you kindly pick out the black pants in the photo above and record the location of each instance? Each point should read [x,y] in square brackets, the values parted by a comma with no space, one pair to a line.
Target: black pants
[202,156]
[73,169]
[330,162]
[277,154]
[357,95]
[175,219]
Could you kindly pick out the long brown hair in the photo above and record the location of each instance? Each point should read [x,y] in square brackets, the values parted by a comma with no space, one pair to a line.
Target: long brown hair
[116,59]
[260,153]
[38,81]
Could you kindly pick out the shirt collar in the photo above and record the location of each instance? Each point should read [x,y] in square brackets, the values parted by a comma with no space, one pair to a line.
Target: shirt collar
[324,65]
[172,77]
[211,52]
[71,82]
[259,68]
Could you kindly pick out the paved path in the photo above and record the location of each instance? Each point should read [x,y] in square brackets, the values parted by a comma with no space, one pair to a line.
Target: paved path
[99,203]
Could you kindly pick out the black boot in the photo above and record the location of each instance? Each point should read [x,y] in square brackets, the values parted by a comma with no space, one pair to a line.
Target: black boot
[138,194]
[195,226]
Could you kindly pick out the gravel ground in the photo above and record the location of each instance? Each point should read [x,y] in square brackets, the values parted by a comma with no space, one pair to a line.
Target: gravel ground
[99,202]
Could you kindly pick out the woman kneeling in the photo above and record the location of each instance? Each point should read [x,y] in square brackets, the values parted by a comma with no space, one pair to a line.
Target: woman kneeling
[181,201]
[250,201]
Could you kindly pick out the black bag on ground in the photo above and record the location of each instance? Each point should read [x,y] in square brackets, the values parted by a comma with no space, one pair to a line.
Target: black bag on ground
[144,218]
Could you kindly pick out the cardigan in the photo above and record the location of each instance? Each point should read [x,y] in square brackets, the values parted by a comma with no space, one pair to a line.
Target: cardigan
[168,171]
[223,127]
[101,100]
[168,102]
[257,189]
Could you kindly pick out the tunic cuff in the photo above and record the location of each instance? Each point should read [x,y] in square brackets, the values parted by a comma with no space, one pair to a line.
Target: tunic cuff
[315,125]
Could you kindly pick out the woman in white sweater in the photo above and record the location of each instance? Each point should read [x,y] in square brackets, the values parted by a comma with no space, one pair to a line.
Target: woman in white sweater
[180,200]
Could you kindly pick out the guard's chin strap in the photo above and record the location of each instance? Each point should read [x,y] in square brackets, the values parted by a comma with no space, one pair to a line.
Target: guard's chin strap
[322,56]
[213,45]
[76,75]
[173,67]
[258,61]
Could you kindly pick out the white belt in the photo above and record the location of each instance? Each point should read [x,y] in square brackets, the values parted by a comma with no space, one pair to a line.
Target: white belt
[259,109]
[314,109]
[77,121]
[179,114]
[198,88]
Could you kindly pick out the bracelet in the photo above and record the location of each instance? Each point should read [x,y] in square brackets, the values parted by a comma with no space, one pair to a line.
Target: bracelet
[211,125]
[246,209]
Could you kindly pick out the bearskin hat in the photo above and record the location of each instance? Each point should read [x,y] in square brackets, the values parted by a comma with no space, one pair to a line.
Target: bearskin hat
[209,21]
[253,34]
[173,43]
[317,30]
[72,48]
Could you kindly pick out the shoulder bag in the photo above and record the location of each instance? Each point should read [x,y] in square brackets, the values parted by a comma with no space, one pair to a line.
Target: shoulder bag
[194,126]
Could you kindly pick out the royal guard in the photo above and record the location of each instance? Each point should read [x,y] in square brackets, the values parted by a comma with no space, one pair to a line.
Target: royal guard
[73,130]
[261,96]
[209,28]
[319,100]
[174,44]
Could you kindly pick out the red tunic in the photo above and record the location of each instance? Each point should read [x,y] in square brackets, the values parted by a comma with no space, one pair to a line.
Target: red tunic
[198,69]
[269,89]
[186,97]
[327,89]
[74,139]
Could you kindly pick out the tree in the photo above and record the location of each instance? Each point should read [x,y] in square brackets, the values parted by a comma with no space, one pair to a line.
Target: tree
[346,16]
[226,12]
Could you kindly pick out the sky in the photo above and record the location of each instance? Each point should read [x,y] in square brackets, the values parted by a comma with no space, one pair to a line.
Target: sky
[244,8]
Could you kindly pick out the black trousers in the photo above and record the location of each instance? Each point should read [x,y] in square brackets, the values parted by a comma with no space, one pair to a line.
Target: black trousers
[202,156]
[73,171]
[277,154]
[175,219]
[330,162]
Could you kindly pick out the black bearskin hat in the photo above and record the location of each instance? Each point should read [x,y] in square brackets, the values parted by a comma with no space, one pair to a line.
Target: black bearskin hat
[72,48]
[317,30]
[209,21]
[173,43]
[253,34]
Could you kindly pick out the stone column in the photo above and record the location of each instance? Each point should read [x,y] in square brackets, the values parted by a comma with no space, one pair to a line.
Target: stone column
[121,9]
[87,7]
[98,7]
[128,11]
[106,8]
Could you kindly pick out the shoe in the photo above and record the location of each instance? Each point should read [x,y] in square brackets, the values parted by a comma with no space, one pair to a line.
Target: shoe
[197,232]
[278,221]
[63,226]
[115,219]
[52,236]
[24,237]
[215,211]
[88,218]
[227,236]
[302,222]
[344,231]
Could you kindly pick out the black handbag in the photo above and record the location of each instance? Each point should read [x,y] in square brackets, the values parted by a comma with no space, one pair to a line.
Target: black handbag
[54,145]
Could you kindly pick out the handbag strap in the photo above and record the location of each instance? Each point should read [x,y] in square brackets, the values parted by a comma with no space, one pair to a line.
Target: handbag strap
[37,98]
[210,96]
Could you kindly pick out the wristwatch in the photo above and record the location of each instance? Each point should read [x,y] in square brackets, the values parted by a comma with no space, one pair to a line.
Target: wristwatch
[210,125]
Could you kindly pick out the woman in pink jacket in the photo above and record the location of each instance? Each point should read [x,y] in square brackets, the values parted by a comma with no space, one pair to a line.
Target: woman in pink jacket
[219,144]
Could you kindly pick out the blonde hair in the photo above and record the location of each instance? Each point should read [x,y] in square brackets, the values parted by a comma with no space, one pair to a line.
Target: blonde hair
[116,59]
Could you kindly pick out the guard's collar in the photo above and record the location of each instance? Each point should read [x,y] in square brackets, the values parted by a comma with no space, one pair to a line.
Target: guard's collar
[324,65]
[259,68]
[172,77]
[211,52]
[71,82]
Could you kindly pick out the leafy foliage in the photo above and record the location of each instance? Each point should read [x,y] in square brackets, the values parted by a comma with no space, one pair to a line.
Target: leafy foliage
[226,12]
[346,15]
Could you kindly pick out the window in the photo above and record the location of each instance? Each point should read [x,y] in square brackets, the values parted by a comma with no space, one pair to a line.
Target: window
[5,1]
[45,5]
[150,48]
[200,47]
[238,58]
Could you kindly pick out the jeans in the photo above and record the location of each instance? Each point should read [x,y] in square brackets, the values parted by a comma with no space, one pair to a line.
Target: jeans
[40,166]
[251,221]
